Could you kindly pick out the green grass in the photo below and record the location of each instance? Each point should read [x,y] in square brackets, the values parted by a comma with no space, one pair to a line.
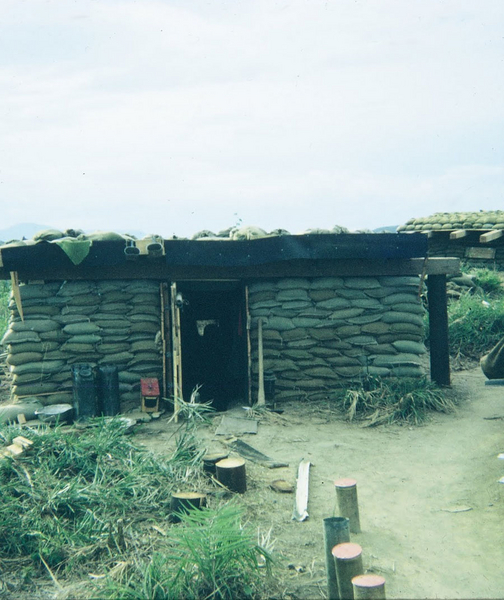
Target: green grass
[489,282]
[211,555]
[399,399]
[475,325]
[83,501]
[5,289]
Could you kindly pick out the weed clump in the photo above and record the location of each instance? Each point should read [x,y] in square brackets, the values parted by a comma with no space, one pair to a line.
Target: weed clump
[377,401]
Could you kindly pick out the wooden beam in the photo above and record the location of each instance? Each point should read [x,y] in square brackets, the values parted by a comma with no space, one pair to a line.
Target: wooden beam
[162,271]
[438,329]
[457,234]
[495,234]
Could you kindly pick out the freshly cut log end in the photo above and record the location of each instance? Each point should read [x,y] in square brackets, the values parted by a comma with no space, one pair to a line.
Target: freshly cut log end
[348,564]
[183,502]
[231,473]
[369,587]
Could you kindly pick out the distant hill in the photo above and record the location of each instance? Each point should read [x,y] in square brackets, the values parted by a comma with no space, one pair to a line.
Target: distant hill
[387,229]
[20,231]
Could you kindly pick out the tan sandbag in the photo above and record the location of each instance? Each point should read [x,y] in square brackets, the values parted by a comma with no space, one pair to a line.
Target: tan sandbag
[492,364]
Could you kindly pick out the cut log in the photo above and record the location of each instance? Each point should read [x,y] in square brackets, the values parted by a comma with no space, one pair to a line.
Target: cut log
[369,587]
[211,459]
[231,473]
[183,502]
[336,532]
[346,492]
[348,564]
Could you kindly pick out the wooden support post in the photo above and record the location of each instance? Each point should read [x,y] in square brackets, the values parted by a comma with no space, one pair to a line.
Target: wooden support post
[336,532]
[261,400]
[348,564]
[183,502]
[346,492]
[438,329]
[231,473]
[369,587]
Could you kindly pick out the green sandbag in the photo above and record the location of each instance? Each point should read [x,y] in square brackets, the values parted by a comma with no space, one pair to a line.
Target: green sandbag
[18,337]
[43,366]
[38,325]
[334,303]
[362,283]
[410,347]
[107,348]
[81,328]
[279,324]
[32,389]
[330,283]
[9,412]
[393,316]
[24,357]
[84,339]
[401,298]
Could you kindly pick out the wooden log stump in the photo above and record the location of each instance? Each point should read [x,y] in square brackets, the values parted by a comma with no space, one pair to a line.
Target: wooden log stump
[348,564]
[369,587]
[231,473]
[211,459]
[346,492]
[183,502]
[336,531]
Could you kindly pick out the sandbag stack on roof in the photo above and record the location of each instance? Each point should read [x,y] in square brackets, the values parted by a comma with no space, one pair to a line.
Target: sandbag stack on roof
[458,220]
[320,333]
[82,322]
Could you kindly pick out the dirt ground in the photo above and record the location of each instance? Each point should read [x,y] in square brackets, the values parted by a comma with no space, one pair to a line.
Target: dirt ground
[431,507]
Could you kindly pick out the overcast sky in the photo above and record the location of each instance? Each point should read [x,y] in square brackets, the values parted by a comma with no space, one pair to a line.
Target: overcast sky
[172,116]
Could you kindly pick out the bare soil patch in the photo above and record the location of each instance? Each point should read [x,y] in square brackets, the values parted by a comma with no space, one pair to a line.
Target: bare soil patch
[431,507]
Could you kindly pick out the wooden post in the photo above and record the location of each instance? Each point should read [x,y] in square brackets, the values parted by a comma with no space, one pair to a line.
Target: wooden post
[369,587]
[231,473]
[261,400]
[336,532]
[438,329]
[346,492]
[348,564]
[183,502]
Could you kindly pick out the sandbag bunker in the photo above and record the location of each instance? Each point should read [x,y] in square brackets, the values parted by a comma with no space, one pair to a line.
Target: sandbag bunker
[82,322]
[219,316]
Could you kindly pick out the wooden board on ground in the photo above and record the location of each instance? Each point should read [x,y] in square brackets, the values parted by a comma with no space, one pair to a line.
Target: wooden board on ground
[254,455]
[230,425]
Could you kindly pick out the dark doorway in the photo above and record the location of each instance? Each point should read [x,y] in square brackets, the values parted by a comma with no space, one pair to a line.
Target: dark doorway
[213,341]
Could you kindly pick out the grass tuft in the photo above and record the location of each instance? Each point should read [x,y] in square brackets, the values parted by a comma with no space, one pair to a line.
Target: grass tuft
[377,401]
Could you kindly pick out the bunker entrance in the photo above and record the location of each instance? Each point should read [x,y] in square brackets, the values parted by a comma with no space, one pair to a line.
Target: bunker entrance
[213,340]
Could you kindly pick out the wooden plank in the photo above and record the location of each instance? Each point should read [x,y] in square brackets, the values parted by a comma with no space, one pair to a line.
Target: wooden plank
[300,512]
[458,234]
[298,268]
[16,293]
[249,347]
[176,352]
[479,252]
[495,234]
[438,329]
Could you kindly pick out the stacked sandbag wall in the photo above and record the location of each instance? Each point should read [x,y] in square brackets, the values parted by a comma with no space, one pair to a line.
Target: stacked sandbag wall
[320,334]
[83,322]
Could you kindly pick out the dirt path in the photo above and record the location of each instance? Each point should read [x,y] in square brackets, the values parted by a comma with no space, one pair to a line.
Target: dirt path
[413,483]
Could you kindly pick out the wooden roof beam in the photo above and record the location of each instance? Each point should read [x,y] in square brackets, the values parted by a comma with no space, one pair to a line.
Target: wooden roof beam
[457,234]
[491,235]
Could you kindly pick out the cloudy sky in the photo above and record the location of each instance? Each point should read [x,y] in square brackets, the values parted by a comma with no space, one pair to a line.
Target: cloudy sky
[172,116]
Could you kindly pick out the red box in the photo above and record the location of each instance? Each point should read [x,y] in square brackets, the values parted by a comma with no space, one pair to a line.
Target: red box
[149,386]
